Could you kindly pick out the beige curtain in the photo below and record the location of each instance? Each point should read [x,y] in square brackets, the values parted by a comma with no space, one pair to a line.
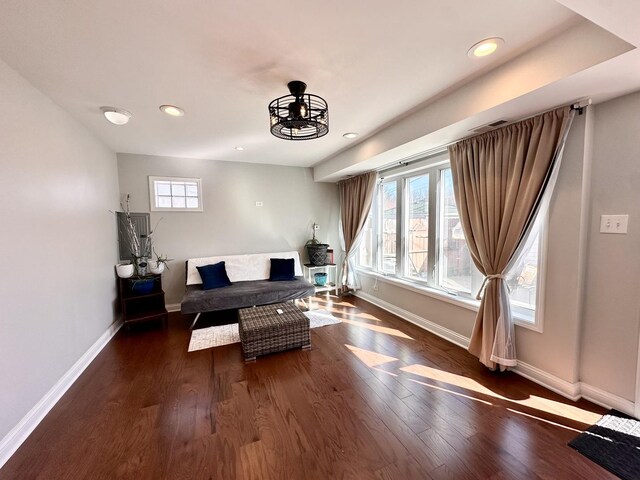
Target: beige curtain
[356,195]
[500,179]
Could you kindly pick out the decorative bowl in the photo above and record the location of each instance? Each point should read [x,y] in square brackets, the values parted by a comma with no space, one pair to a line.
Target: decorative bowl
[320,278]
[124,270]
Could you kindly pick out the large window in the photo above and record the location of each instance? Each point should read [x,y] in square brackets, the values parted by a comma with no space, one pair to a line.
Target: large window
[365,252]
[416,227]
[454,272]
[523,275]
[414,233]
[389,226]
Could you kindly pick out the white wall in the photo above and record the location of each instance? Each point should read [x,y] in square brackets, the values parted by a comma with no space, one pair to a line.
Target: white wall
[58,244]
[231,223]
[612,300]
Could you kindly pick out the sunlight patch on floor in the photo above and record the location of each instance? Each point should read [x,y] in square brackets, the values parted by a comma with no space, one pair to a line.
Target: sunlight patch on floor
[458,394]
[377,328]
[384,371]
[339,312]
[369,358]
[367,316]
[341,303]
[533,401]
[555,424]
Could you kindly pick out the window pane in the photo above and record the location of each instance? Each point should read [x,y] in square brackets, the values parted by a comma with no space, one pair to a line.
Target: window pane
[389,221]
[167,193]
[455,260]
[177,189]
[523,276]
[178,202]
[163,188]
[163,202]
[417,227]
[191,189]
[365,251]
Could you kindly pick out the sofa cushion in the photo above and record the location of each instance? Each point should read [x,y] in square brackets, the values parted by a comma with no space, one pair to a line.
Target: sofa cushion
[244,294]
[254,266]
[213,276]
[282,269]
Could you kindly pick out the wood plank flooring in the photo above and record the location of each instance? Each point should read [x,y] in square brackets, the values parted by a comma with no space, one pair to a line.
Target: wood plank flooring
[375,398]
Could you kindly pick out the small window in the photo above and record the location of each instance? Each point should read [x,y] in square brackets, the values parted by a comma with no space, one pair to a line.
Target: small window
[175,194]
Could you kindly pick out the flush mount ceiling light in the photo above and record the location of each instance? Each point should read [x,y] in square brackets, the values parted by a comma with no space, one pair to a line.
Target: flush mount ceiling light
[485,47]
[117,116]
[172,110]
[299,116]
[239,148]
[350,135]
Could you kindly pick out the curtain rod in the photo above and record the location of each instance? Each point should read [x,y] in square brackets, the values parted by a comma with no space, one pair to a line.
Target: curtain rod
[578,106]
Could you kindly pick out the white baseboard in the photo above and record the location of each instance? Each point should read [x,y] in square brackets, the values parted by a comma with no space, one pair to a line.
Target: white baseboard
[572,391]
[422,322]
[173,307]
[18,434]
[553,383]
[606,399]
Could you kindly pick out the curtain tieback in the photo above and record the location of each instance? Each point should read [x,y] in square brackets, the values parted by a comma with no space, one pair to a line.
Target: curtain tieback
[484,283]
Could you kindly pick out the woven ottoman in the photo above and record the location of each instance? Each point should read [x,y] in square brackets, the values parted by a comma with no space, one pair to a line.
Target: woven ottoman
[263,330]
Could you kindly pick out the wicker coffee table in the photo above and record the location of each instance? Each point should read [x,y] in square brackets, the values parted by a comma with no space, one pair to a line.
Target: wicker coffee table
[263,330]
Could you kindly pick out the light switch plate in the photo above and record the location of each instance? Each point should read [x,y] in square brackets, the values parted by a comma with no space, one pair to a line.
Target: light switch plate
[614,223]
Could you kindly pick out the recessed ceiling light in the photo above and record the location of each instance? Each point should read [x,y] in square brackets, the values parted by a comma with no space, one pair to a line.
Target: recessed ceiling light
[172,110]
[239,148]
[117,116]
[350,135]
[485,47]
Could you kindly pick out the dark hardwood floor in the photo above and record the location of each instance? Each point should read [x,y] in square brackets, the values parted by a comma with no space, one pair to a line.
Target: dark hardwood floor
[375,398]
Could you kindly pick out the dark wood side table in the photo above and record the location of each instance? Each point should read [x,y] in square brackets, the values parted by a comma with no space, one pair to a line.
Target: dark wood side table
[142,306]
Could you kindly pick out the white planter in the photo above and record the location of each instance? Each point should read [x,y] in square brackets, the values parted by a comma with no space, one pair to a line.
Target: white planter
[156,268]
[124,271]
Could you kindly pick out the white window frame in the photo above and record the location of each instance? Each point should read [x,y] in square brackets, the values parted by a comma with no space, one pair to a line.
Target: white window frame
[528,318]
[152,194]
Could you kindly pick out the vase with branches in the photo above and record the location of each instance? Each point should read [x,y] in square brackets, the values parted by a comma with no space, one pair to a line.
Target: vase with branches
[140,246]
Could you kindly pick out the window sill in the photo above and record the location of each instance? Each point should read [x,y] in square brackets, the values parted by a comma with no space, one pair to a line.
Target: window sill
[171,209]
[521,316]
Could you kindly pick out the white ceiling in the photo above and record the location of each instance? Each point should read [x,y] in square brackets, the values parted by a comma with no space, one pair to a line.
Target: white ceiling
[224,61]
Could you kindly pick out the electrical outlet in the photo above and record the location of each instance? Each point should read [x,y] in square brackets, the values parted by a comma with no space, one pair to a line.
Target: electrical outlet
[258,204]
[614,224]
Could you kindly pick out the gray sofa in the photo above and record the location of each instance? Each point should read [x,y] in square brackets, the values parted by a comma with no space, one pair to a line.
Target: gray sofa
[250,285]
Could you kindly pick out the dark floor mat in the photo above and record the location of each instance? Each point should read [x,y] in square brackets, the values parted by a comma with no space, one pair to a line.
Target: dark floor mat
[613,443]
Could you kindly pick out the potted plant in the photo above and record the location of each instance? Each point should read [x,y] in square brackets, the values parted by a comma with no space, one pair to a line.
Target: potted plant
[317,251]
[141,247]
[158,265]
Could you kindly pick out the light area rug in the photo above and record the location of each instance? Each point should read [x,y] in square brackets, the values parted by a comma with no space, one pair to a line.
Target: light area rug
[226,334]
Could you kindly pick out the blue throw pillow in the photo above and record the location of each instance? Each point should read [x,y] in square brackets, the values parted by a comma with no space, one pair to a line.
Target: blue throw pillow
[282,269]
[214,276]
